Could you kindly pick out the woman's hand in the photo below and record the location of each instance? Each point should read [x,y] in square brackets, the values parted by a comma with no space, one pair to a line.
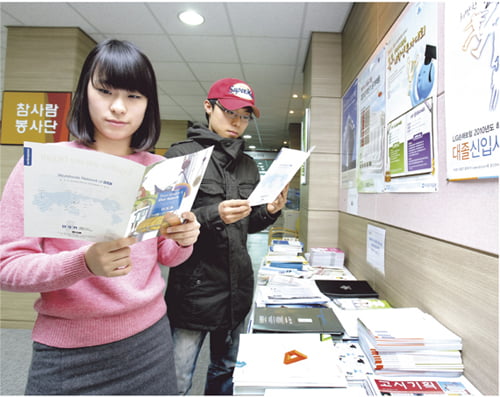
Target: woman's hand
[185,233]
[231,211]
[280,201]
[110,258]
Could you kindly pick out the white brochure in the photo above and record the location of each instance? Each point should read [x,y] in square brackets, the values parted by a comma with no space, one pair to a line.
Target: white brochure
[87,195]
[281,171]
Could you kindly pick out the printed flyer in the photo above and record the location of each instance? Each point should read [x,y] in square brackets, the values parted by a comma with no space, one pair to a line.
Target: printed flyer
[472,81]
[87,195]
[281,171]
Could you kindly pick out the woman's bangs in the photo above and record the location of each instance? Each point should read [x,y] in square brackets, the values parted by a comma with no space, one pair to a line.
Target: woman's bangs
[125,75]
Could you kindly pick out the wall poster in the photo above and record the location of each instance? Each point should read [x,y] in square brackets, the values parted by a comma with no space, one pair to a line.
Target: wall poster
[472,89]
[411,53]
[372,95]
[349,136]
[304,143]
[35,117]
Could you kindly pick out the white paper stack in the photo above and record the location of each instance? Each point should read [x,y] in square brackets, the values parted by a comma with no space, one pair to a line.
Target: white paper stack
[407,341]
[283,290]
[261,363]
[326,257]
[286,246]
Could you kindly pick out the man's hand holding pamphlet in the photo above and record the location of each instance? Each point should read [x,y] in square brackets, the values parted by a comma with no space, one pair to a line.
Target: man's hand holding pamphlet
[87,195]
[279,174]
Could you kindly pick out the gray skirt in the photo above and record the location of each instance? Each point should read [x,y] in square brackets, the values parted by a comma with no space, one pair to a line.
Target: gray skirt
[142,364]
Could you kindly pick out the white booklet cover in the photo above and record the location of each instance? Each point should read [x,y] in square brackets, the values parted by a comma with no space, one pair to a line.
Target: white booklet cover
[281,171]
[88,195]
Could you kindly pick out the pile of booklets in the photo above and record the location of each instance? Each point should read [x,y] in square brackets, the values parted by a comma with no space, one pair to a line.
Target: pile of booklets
[291,246]
[286,254]
[285,290]
[407,341]
[289,360]
[326,257]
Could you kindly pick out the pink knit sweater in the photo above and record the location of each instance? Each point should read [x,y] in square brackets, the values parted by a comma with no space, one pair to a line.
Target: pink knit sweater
[77,308]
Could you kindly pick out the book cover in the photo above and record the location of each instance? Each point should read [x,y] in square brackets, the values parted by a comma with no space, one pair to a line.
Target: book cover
[304,319]
[419,386]
[346,288]
[89,195]
[265,360]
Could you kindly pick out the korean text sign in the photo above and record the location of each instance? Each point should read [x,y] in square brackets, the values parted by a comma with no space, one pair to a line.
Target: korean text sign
[35,117]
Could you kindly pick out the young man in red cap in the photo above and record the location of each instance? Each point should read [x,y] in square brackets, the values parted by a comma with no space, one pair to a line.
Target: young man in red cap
[212,291]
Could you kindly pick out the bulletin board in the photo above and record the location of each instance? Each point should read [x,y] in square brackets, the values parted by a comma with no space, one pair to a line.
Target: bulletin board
[423,200]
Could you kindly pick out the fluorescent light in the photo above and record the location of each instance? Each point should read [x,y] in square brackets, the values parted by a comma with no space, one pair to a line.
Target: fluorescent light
[247,136]
[191,17]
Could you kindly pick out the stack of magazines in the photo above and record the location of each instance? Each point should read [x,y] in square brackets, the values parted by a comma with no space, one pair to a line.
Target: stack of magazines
[407,341]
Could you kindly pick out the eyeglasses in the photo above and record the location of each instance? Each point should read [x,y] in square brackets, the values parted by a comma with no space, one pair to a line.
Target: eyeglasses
[232,115]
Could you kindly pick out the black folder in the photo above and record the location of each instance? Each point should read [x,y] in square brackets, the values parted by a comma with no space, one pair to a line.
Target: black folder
[297,319]
[346,288]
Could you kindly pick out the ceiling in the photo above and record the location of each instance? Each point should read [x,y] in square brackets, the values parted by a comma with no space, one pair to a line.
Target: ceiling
[262,43]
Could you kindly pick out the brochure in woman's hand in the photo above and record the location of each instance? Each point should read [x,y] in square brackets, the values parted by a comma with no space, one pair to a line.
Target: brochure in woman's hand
[88,195]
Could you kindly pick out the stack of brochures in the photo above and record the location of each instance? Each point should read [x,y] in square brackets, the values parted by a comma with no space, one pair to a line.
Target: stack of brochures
[326,257]
[290,246]
[291,360]
[420,386]
[284,290]
[287,254]
[407,341]
[348,309]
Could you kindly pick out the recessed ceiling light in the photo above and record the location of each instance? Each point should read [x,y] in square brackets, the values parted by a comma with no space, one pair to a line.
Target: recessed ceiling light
[295,96]
[191,17]
[291,111]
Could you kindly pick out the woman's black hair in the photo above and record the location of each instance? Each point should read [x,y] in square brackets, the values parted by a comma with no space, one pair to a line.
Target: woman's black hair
[120,65]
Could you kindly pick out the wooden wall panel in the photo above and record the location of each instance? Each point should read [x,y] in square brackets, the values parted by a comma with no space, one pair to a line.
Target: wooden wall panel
[387,13]
[363,33]
[458,286]
[323,173]
[322,82]
[9,156]
[172,131]
[16,309]
[44,59]
[326,65]
[325,124]
[319,229]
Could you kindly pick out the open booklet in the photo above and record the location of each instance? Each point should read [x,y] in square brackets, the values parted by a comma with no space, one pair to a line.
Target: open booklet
[281,171]
[88,195]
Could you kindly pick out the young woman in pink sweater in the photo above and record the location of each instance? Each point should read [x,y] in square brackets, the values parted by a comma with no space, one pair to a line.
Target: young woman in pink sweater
[101,326]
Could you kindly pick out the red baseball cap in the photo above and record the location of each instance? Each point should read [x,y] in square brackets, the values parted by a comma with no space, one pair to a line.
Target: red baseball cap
[233,94]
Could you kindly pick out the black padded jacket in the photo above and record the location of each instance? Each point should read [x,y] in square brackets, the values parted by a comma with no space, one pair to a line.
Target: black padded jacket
[213,289]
